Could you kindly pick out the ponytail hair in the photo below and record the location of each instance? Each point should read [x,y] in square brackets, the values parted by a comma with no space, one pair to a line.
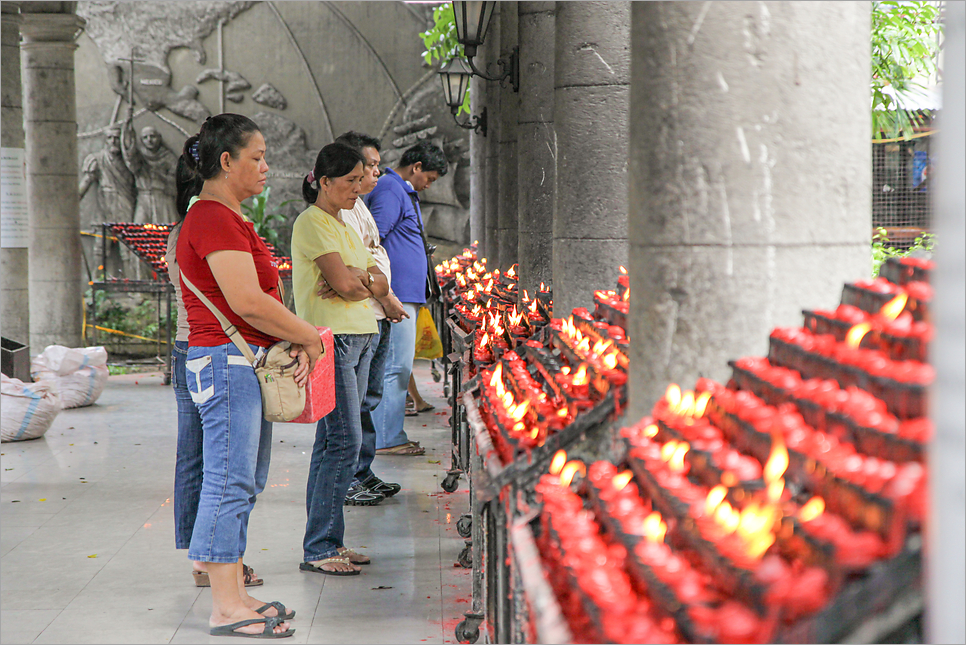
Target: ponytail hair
[334,160]
[201,156]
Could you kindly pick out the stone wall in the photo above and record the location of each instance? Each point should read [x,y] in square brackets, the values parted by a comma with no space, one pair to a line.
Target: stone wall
[305,71]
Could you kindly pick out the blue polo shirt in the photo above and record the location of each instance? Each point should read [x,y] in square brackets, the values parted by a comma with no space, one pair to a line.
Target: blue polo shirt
[395,215]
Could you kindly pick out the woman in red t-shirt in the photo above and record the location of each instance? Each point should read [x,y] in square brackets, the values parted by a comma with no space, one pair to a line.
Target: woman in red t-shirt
[220,254]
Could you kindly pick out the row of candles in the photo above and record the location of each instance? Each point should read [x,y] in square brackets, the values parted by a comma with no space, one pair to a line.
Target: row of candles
[521,409]
[750,516]
[150,243]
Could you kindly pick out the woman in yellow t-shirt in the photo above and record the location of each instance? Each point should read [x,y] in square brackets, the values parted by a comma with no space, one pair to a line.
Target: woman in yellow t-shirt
[324,247]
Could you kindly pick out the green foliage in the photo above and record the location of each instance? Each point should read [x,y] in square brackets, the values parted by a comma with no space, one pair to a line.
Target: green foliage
[140,318]
[441,44]
[904,46]
[881,251]
[263,221]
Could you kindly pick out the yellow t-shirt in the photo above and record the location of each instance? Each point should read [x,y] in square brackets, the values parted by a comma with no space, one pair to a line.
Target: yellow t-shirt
[316,233]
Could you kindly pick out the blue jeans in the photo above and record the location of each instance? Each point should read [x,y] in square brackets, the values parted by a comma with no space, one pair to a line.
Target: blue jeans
[237,450]
[388,417]
[379,351]
[189,467]
[335,454]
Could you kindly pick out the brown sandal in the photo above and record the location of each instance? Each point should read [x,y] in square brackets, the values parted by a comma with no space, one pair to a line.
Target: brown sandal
[353,557]
[410,448]
[251,580]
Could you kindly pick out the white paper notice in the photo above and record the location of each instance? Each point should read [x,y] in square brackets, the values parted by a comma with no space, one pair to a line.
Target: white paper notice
[14,231]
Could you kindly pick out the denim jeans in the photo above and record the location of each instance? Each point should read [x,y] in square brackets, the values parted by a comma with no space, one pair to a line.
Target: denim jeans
[237,450]
[378,351]
[189,467]
[335,454]
[388,417]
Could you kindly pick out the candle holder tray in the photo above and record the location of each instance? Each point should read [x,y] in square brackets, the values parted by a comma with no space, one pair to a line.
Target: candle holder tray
[898,272]
[904,400]
[870,441]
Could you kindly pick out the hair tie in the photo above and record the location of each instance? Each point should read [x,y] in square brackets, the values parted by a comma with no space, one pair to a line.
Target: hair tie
[311,176]
[194,152]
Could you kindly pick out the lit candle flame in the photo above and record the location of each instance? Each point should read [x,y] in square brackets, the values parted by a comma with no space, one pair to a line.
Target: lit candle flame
[621,480]
[654,527]
[610,361]
[715,496]
[673,396]
[701,404]
[622,270]
[812,509]
[570,470]
[651,430]
[727,518]
[580,377]
[894,307]
[667,450]
[855,335]
[687,404]
[520,411]
[676,462]
[558,461]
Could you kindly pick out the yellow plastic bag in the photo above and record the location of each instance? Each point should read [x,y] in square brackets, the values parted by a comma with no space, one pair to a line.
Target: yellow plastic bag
[428,344]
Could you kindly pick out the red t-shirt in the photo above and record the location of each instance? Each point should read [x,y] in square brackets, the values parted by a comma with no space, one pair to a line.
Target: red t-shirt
[211,226]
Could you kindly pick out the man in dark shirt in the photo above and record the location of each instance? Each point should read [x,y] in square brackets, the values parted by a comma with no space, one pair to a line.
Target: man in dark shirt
[394,204]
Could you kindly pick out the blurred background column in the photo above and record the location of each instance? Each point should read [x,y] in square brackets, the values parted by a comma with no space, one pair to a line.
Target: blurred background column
[591,100]
[15,310]
[750,178]
[509,103]
[945,561]
[477,164]
[536,140]
[50,123]
[486,62]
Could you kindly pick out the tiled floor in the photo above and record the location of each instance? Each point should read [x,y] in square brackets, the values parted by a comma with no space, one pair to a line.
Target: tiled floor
[87,548]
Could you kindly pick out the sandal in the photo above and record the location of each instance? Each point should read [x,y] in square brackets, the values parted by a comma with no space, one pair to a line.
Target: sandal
[411,412]
[353,557]
[251,580]
[308,566]
[410,448]
[426,408]
[270,624]
[280,610]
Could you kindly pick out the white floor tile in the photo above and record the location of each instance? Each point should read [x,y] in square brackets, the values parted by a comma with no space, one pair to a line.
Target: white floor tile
[105,474]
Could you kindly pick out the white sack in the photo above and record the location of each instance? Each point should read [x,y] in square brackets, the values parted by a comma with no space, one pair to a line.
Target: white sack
[79,374]
[61,361]
[26,409]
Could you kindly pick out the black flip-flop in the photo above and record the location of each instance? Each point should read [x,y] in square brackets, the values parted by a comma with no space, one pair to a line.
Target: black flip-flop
[283,613]
[308,566]
[271,622]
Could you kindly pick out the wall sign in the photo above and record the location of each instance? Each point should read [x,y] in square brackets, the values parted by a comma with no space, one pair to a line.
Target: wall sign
[14,227]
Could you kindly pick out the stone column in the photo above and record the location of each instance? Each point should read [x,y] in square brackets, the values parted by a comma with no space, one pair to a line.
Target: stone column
[509,103]
[50,121]
[536,145]
[945,564]
[750,174]
[15,310]
[591,99]
[477,164]
[485,61]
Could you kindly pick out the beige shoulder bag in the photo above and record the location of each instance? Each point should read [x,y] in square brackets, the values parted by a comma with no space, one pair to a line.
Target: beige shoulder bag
[282,398]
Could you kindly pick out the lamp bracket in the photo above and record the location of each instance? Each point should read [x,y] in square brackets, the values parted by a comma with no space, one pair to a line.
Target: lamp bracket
[477,124]
[509,69]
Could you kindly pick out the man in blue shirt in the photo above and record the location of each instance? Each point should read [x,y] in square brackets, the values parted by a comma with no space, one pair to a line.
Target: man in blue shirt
[394,204]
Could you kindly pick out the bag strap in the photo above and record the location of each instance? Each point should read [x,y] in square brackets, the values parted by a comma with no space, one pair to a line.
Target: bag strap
[432,283]
[233,334]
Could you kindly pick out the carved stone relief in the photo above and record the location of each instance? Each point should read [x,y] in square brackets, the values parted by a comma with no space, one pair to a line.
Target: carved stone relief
[187,54]
[268,95]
